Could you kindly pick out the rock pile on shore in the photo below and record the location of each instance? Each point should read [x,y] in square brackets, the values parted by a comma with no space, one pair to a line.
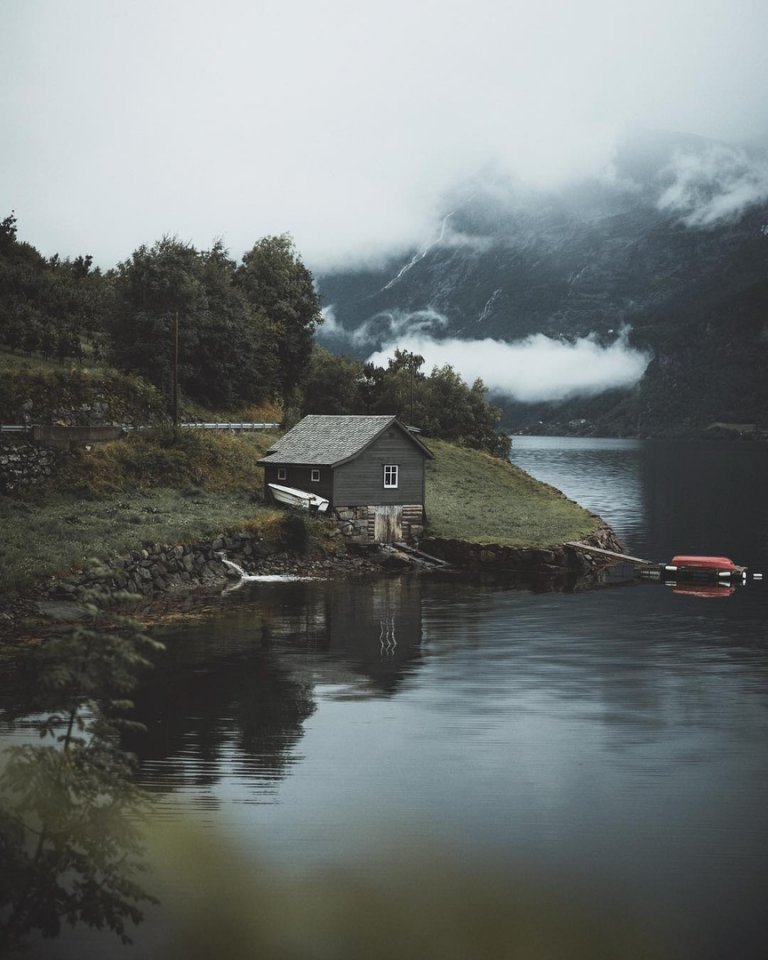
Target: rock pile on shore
[167,568]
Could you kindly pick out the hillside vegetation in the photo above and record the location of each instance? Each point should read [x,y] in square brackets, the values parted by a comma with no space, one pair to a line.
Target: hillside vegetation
[147,487]
[182,326]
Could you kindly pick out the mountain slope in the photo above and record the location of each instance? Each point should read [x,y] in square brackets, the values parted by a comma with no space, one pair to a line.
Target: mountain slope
[675,244]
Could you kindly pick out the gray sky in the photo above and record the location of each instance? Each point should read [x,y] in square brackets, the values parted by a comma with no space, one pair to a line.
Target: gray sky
[341,122]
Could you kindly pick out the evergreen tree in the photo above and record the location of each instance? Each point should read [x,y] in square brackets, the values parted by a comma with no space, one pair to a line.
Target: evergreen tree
[51,307]
[279,286]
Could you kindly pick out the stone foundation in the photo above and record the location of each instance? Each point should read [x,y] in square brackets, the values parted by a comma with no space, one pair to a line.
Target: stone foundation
[358,523]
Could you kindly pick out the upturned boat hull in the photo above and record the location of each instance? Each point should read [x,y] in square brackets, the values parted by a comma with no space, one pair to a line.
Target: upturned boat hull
[688,567]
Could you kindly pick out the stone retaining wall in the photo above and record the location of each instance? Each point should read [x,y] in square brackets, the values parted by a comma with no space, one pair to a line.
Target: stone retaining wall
[24,464]
[161,568]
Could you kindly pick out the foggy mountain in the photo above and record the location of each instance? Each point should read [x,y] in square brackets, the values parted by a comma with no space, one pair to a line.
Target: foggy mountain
[637,301]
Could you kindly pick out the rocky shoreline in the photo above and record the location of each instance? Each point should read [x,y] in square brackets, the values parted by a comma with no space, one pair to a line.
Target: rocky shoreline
[172,572]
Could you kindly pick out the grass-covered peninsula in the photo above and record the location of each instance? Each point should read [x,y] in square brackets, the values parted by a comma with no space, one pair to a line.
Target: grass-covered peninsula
[479,498]
[152,486]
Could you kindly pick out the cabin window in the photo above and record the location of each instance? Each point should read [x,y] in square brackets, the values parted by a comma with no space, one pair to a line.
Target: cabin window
[315,476]
[391,471]
[282,473]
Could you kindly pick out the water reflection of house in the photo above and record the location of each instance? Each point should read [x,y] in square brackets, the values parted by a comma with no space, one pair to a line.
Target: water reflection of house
[365,637]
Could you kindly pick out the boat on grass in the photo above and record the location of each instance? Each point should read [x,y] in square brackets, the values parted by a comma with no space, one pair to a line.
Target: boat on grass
[300,499]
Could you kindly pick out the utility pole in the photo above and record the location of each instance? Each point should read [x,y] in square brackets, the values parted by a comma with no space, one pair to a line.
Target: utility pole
[175,407]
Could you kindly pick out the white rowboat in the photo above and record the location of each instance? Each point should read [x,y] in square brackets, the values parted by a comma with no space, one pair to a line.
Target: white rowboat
[292,497]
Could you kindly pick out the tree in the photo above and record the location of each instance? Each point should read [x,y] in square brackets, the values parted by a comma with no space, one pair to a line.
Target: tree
[226,355]
[234,350]
[332,384]
[151,287]
[47,306]
[278,285]
[441,404]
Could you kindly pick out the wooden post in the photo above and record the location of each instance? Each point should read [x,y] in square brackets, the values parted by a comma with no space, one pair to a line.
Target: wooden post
[175,408]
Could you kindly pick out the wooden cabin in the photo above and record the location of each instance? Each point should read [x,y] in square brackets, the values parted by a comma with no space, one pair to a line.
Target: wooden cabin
[369,468]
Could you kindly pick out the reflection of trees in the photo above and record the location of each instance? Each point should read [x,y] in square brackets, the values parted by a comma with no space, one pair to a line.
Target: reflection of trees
[233,693]
[69,833]
[221,712]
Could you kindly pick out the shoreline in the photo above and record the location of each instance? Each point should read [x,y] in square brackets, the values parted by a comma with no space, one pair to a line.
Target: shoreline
[162,581]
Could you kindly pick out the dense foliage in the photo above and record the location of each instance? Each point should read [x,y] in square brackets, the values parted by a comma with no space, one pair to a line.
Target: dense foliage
[228,334]
[70,841]
[244,332]
[50,307]
[441,404]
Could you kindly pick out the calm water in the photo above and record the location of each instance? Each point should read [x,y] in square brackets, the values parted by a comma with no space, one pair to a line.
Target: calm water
[615,739]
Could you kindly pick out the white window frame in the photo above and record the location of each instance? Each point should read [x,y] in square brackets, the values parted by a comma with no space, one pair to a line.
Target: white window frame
[282,473]
[391,476]
[314,476]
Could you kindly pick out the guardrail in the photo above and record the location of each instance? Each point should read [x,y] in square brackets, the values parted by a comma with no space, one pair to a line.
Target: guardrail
[22,428]
[231,426]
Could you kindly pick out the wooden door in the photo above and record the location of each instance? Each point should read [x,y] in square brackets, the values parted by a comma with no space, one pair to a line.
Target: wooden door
[388,524]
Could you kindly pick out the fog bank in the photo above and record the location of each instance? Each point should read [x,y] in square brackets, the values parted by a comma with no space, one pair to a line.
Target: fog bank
[535,369]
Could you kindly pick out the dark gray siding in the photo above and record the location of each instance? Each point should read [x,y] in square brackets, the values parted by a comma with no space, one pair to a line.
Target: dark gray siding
[361,481]
[299,477]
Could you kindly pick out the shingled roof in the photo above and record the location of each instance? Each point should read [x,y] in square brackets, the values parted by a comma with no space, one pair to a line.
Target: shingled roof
[331,440]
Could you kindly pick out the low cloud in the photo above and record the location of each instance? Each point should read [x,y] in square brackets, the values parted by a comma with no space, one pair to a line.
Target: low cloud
[330,325]
[389,326]
[535,369]
[714,186]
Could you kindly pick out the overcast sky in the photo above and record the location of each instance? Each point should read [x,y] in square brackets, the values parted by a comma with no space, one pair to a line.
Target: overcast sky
[339,121]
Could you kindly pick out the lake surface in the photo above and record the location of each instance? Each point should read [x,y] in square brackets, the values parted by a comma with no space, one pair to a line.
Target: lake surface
[611,741]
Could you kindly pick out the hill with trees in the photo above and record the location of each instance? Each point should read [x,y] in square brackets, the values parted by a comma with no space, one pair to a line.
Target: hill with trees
[230,335]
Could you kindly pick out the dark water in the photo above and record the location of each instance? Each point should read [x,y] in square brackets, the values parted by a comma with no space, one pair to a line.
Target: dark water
[663,498]
[615,739]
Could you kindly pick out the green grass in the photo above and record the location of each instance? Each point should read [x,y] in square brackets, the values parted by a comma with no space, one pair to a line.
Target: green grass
[150,487]
[147,459]
[473,496]
[62,532]
[147,487]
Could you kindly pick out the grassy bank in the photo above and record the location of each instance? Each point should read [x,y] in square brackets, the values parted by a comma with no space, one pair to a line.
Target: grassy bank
[147,487]
[154,487]
[473,496]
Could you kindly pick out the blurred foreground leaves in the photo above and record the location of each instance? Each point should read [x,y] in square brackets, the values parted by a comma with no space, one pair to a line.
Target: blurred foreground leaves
[70,814]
